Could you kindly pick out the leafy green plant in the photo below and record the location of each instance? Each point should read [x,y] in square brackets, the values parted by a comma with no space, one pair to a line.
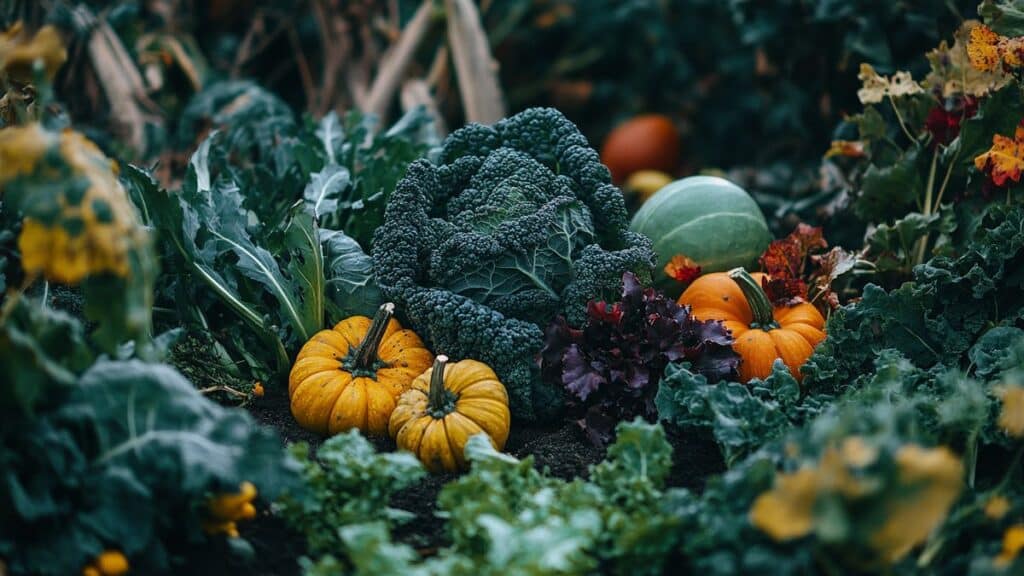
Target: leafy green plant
[348,483]
[517,224]
[252,224]
[505,517]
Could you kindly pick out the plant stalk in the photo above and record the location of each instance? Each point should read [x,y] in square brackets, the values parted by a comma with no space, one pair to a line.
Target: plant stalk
[366,354]
[436,394]
[760,306]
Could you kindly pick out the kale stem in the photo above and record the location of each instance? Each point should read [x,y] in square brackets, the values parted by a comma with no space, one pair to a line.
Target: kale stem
[760,306]
[366,354]
[436,394]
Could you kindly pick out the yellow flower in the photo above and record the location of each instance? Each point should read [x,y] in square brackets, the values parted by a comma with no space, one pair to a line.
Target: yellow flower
[226,510]
[90,226]
[983,49]
[1013,543]
[108,563]
[930,480]
[996,507]
[19,52]
[1011,417]
[787,510]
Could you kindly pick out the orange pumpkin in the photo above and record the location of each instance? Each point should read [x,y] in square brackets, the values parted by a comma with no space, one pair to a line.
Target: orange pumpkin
[761,332]
[445,407]
[351,376]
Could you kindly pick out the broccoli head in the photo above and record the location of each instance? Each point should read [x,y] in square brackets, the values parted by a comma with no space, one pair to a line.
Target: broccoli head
[515,225]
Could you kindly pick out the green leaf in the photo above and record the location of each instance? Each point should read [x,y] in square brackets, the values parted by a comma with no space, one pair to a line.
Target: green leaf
[887,193]
[994,352]
[306,267]
[349,286]
[1005,17]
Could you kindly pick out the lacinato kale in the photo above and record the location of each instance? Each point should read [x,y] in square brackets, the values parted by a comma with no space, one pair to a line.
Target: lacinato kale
[517,224]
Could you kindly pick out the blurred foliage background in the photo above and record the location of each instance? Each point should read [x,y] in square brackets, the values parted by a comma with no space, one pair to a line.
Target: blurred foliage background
[756,87]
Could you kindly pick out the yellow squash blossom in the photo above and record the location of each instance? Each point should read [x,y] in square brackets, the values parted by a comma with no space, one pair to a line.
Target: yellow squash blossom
[1011,417]
[90,226]
[19,51]
[996,507]
[787,511]
[109,563]
[225,510]
[930,480]
[1013,543]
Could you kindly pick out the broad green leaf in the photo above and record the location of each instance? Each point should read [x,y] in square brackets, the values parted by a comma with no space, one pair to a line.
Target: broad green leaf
[349,284]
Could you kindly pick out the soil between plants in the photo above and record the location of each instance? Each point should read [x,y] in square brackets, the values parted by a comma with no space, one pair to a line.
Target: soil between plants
[561,448]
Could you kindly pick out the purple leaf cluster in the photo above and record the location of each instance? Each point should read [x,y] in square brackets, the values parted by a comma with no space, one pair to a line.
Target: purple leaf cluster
[611,366]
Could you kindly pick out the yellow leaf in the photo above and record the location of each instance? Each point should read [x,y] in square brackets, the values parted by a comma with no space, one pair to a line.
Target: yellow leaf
[1011,417]
[93,228]
[1013,543]
[787,510]
[875,87]
[1005,159]
[847,148]
[953,74]
[19,51]
[931,480]
[996,507]
[983,49]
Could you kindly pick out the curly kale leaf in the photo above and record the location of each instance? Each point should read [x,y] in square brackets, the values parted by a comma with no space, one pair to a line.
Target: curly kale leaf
[517,224]
[936,318]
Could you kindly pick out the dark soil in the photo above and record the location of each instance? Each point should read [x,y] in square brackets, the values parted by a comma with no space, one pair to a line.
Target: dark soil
[560,448]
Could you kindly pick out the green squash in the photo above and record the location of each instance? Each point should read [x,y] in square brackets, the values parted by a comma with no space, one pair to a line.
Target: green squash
[709,219]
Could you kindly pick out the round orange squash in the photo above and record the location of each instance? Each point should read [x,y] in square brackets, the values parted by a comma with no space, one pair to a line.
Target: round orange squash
[761,332]
[352,375]
[645,142]
[447,405]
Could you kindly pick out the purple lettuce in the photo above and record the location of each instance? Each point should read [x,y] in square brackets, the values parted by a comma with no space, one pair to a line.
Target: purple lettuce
[611,367]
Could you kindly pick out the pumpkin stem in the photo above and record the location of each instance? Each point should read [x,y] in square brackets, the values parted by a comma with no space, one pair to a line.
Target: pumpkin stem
[760,306]
[365,356]
[437,399]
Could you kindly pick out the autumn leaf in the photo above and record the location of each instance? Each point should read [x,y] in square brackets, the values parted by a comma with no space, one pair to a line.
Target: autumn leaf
[983,49]
[1005,159]
[952,73]
[846,148]
[19,51]
[682,269]
[875,87]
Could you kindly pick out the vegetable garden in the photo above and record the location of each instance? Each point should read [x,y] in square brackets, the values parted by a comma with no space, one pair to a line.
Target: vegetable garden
[524,287]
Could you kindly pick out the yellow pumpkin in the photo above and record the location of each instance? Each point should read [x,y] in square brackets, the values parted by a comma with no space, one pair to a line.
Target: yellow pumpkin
[352,375]
[447,405]
[762,333]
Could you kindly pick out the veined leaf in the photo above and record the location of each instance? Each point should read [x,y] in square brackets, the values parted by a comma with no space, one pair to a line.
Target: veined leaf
[325,188]
[349,287]
[306,266]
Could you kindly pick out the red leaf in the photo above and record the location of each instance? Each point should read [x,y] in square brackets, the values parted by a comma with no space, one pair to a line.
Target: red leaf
[682,269]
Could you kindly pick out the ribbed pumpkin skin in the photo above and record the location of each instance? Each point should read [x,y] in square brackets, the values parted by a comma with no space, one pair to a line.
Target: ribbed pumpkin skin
[717,297]
[327,399]
[481,405]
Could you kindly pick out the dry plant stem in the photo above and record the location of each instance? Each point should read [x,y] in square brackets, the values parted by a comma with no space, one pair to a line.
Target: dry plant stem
[416,93]
[122,84]
[334,32]
[481,93]
[305,75]
[223,388]
[396,62]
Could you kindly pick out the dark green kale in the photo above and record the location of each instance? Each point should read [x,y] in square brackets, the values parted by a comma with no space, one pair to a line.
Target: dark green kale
[517,224]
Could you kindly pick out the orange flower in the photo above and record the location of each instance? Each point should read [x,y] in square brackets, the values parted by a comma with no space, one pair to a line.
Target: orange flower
[1005,159]
[682,269]
[225,510]
[257,390]
[108,563]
